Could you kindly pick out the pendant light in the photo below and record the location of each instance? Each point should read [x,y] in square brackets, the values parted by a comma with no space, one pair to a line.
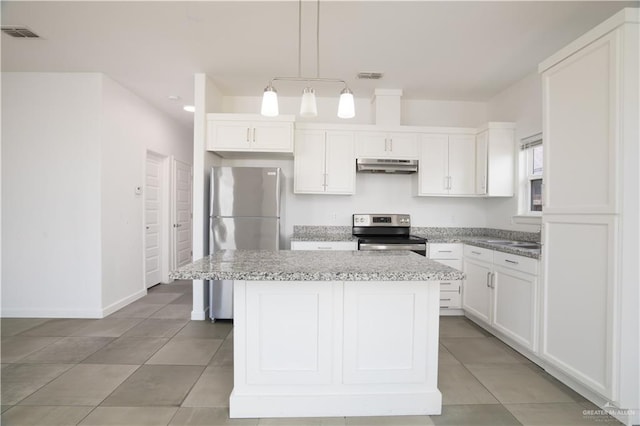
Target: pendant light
[346,105]
[308,107]
[269,102]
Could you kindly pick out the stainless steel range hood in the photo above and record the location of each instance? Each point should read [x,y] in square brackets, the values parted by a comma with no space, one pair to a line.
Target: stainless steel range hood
[386,165]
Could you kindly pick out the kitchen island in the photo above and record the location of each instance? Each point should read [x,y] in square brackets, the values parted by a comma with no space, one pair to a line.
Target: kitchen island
[331,333]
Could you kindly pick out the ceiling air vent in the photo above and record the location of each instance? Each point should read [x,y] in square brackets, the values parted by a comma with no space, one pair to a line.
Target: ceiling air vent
[370,75]
[18,31]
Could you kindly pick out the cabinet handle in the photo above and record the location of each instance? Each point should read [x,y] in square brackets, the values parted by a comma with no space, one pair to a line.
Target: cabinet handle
[445,251]
[445,300]
[476,252]
[493,281]
[324,248]
[449,180]
[488,278]
[324,180]
[445,283]
[254,134]
[511,261]
[390,144]
[248,131]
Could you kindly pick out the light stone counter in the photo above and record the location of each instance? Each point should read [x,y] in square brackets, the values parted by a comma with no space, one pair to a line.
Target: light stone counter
[331,334]
[285,265]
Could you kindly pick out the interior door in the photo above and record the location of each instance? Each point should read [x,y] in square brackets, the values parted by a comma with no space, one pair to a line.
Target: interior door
[182,218]
[152,219]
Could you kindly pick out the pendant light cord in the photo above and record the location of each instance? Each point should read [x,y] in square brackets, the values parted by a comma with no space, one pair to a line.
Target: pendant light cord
[299,38]
[318,39]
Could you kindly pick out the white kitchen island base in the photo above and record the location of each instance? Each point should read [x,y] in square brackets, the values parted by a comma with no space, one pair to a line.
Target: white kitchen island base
[335,348]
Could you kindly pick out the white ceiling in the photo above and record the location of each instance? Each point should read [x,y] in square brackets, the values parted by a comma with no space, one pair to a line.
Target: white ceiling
[432,50]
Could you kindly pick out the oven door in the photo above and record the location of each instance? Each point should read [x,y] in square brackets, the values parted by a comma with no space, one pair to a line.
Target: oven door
[420,248]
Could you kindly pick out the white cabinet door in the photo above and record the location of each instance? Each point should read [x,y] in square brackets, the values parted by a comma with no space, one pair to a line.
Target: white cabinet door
[282,351]
[381,339]
[340,163]
[309,162]
[499,162]
[581,103]
[514,305]
[233,135]
[387,145]
[482,141]
[277,137]
[462,165]
[433,169]
[403,145]
[477,294]
[371,145]
[578,296]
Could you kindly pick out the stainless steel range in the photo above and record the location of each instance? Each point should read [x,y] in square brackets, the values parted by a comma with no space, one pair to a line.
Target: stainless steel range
[386,232]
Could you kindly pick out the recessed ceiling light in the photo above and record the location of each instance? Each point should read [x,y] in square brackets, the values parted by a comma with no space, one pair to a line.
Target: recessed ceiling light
[173,97]
[189,108]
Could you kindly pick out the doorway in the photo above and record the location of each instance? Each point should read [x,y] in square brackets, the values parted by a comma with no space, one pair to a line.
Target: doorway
[153,219]
[181,206]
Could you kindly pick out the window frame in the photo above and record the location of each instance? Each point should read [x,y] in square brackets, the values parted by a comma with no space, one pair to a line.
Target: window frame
[525,214]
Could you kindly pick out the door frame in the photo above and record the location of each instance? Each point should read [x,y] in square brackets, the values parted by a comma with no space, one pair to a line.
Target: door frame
[165,217]
[173,210]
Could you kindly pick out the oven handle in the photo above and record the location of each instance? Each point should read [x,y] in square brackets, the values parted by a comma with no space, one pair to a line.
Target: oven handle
[373,246]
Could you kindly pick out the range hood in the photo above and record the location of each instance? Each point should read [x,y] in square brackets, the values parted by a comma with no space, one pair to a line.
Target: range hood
[386,165]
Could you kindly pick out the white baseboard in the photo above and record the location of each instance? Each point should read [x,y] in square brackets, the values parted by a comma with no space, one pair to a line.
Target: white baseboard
[335,405]
[123,302]
[51,313]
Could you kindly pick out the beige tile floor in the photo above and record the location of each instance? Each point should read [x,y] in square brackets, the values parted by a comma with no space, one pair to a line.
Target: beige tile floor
[147,364]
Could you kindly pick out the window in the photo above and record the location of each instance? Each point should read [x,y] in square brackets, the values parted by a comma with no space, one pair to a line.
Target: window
[531,171]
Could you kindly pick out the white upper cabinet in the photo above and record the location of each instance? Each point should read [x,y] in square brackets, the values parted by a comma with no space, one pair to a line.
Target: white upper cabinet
[247,133]
[387,145]
[447,165]
[581,103]
[324,162]
[495,160]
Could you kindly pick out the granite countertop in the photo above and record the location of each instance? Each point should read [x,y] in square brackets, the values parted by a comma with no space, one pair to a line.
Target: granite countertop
[322,233]
[286,265]
[471,236]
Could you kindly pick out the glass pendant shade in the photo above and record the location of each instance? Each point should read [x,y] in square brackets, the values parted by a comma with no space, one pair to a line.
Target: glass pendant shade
[346,106]
[308,106]
[270,102]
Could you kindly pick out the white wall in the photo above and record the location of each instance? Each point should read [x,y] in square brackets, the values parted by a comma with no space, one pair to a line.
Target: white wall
[130,127]
[73,150]
[520,103]
[50,195]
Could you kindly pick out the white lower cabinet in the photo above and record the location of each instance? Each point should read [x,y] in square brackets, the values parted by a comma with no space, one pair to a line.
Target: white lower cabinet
[449,254]
[324,245]
[500,290]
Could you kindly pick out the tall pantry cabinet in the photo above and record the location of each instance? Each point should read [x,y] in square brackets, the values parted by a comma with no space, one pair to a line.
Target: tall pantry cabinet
[590,322]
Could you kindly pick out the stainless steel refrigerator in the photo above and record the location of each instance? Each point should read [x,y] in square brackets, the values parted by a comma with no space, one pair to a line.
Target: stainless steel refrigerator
[244,214]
